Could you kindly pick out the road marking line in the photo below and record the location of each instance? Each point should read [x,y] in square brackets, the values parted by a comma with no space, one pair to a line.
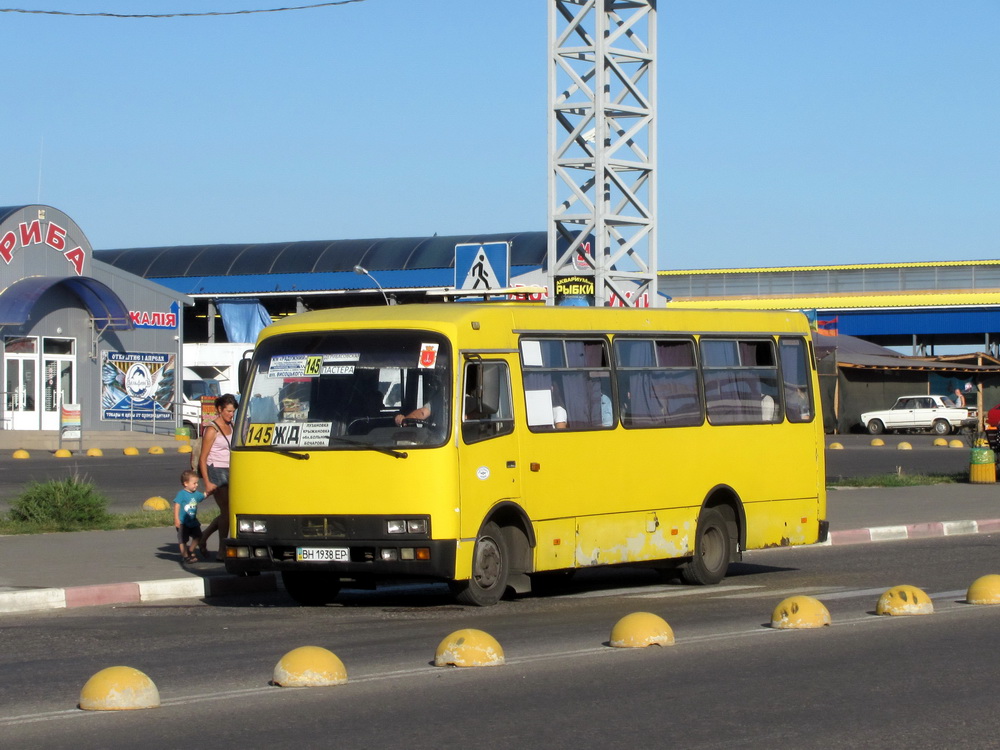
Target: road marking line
[659,592]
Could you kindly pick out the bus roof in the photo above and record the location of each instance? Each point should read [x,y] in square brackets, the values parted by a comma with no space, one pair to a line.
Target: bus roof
[449,318]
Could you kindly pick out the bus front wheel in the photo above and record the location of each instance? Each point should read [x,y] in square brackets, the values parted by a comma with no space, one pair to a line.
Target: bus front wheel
[490,570]
[711,550]
[310,588]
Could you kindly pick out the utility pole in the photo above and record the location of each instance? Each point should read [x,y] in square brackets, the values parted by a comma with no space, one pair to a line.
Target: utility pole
[602,152]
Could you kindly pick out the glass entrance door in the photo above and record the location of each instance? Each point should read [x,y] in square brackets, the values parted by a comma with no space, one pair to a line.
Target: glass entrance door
[59,370]
[20,382]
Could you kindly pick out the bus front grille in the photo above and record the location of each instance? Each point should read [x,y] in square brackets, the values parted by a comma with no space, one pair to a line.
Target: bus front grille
[322,527]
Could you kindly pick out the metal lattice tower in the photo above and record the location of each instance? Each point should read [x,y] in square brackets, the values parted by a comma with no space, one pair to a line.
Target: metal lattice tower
[602,148]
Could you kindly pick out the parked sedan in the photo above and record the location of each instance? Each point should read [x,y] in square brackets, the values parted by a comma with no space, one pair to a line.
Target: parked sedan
[936,413]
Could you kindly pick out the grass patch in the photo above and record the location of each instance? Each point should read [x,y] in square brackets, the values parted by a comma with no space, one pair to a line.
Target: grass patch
[898,480]
[74,504]
[114,522]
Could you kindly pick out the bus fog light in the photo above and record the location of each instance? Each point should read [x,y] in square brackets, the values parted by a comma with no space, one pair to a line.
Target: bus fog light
[423,553]
[388,553]
[238,552]
[396,526]
[406,553]
[417,526]
[260,552]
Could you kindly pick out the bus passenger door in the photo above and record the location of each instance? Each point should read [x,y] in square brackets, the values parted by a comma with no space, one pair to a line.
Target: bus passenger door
[488,454]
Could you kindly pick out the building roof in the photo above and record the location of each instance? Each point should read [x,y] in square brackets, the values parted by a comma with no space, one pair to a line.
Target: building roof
[850,351]
[320,265]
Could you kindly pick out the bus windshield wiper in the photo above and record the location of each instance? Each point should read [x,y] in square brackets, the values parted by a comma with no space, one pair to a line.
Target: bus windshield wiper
[292,454]
[381,449]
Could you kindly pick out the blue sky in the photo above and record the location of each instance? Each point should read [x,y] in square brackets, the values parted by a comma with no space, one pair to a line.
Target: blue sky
[790,132]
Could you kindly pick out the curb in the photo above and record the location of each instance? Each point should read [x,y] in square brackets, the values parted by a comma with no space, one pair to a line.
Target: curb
[913,531]
[34,600]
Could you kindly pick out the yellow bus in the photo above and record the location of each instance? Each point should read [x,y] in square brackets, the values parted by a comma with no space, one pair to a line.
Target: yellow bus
[489,444]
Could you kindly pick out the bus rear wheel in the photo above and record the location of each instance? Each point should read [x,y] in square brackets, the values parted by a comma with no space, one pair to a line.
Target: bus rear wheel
[711,550]
[310,588]
[490,570]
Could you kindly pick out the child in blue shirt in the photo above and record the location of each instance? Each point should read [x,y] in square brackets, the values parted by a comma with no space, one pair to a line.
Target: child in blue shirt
[186,515]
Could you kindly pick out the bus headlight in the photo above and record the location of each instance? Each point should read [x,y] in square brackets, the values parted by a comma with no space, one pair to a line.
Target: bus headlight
[406,526]
[251,526]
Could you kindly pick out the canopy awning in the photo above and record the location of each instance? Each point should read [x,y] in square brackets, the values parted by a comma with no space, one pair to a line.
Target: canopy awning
[105,307]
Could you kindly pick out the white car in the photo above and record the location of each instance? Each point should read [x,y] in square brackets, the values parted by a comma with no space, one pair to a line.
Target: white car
[936,413]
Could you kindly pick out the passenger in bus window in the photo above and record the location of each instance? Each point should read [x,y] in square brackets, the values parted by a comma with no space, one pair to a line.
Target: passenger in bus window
[559,416]
[797,402]
[767,408]
[607,413]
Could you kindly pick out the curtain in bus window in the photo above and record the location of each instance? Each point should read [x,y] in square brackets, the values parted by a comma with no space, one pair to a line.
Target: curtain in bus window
[643,409]
[678,386]
[723,396]
[582,398]
[678,390]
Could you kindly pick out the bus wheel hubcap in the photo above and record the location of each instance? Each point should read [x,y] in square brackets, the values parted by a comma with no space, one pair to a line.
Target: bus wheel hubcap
[487,563]
[713,548]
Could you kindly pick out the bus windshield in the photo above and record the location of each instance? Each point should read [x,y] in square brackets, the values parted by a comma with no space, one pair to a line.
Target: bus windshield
[347,391]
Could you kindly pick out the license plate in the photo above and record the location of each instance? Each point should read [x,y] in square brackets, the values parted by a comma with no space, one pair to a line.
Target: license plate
[322,554]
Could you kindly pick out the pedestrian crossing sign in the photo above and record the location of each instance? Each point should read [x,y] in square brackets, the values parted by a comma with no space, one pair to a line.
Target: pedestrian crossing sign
[482,266]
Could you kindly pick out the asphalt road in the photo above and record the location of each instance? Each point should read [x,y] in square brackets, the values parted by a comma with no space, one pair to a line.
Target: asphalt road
[128,481]
[730,680]
[859,458]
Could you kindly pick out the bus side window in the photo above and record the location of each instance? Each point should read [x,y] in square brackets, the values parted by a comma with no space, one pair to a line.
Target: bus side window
[795,380]
[658,382]
[486,408]
[567,384]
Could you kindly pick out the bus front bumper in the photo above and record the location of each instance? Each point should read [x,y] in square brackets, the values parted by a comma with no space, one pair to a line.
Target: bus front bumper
[376,559]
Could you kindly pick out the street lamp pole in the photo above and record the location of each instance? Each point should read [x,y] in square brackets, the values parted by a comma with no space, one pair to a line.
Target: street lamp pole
[362,271]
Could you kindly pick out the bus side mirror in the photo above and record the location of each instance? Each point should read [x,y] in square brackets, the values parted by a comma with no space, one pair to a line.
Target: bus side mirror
[243,374]
[489,390]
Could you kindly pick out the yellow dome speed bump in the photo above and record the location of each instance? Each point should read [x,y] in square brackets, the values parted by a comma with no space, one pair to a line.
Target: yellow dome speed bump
[309,666]
[184,449]
[156,503]
[904,600]
[800,612]
[155,450]
[836,446]
[641,629]
[63,453]
[119,689]
[984,590]
[956,444]
[95,452]
[469,648]
[904,446]
[940,442]
[21,453]
[878,442]
[131,451]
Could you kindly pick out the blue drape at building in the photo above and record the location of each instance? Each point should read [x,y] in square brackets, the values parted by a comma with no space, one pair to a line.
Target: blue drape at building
[243,319]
